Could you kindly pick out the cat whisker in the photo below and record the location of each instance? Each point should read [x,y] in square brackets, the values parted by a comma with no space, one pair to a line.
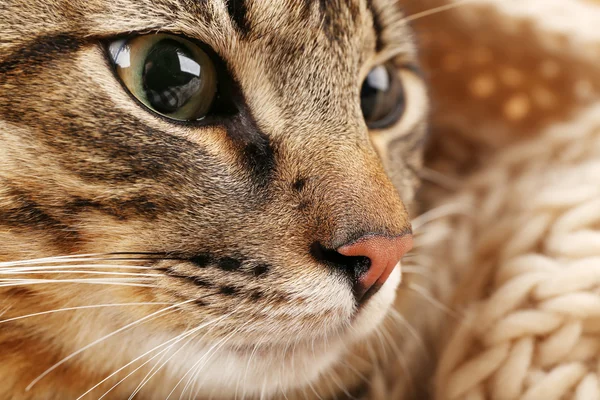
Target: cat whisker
[78,272]
[210,353]
[103,338]
[80,266]
[213,348]
[400,357]
[436,10]
[115,256]
[161,353]
[334,377]
[439,179]
[362,376]
[444,211]
[47,260]
[423,292]
[4,282]
[312,387]
[155,370]
[175,340]
[394,314]
[58,310]
[415,269]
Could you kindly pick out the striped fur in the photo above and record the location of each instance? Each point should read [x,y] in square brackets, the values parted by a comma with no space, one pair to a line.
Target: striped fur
[217,216]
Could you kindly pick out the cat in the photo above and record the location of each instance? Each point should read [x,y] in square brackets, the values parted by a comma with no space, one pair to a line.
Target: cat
[203,198]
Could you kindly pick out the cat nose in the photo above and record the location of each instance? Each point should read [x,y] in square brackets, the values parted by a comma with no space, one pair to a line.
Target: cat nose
[384,254]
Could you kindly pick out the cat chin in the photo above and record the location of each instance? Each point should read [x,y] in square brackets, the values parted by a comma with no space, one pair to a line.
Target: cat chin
[269,371]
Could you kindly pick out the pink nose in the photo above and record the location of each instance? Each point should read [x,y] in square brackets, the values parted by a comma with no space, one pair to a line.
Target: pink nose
[384,253]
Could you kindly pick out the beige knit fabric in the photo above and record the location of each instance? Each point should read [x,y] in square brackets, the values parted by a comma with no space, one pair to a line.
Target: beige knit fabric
[512,241]
[531,296]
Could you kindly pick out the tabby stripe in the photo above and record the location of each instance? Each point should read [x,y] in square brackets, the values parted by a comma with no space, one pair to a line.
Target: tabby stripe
[238,12]
[26,213]
[37,52]
[377,25]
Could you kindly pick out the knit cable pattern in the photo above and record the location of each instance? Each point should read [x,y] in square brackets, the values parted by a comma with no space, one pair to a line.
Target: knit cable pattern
[527,261]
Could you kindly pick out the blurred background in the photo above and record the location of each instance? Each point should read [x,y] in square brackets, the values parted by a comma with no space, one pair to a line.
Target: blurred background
[501,71]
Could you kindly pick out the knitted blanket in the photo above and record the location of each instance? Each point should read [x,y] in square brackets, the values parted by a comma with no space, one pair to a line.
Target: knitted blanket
[511,241]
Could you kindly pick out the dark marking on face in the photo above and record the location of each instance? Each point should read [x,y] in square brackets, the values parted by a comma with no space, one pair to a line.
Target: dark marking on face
[41,51]
[25,213]
[193,279]
[261,270]
[303,205]
[238,11]
[200,303]
[333,25]
[255,296]
[257,152]
[299,184]
[201,260]
[229,264]
[201,282]
[121,209]
[228,290]
[377,26]
[17,291]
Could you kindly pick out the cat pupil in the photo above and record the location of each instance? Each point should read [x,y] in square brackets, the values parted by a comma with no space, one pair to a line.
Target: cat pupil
[382,97]
[171,76]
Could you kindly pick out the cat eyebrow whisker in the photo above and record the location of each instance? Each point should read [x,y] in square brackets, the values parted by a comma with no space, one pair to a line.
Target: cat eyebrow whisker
[436,10]
[103,338]
[59,310]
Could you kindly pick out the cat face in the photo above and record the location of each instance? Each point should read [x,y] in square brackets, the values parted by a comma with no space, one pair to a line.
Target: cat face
[228,213]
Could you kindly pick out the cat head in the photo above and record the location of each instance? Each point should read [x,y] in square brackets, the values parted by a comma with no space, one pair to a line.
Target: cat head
[245,163]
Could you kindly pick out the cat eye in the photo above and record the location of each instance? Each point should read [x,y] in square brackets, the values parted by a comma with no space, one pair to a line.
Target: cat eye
[168,74]
[382,97]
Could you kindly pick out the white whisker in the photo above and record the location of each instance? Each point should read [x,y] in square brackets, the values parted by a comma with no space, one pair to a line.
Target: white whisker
[208,354]
[161,353]
[89,281]
[152,373]
[66,267]
[95,342]
[426,295]
[175,340]
[436,10]
[76,272]
[441,212]
[64,259]
[159,363]
[400,357]
[436,177]
[58,310]
[411,330]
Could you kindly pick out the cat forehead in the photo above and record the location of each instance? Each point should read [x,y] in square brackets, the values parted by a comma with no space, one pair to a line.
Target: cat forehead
[223,24]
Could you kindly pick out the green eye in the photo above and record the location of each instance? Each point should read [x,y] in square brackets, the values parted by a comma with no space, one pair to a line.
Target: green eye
[170,75]
[382,97]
